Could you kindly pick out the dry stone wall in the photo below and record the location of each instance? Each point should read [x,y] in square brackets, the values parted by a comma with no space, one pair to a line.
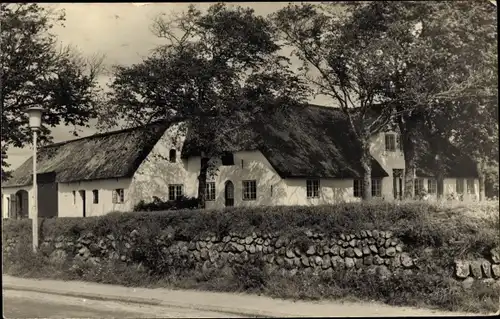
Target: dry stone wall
[372,250]
[486,269]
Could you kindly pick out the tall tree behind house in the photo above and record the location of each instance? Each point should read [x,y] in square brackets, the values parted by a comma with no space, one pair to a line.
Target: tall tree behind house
[341,64]
[216,71]
[410,56]
[445,71]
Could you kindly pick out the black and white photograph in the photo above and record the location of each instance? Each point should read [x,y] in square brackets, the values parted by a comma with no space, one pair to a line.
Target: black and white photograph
[249,159]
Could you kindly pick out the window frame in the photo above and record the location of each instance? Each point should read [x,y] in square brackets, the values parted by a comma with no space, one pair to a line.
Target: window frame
[432,186]
[419,185]
[468,186]
[376,186]
[118,196]
[210,191]
[172,155]
[358,189]
[173,189]
[459,182]
[227,159]
[95,196]
[249,190]
[312,188]
[391,137]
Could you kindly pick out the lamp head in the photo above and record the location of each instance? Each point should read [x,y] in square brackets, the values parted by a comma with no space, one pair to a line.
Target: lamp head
[35,117]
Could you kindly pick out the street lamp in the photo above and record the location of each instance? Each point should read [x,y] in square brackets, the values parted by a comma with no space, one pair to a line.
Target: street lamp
[35,120]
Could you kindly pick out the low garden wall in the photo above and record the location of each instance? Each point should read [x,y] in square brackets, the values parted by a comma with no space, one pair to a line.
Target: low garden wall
[376,250]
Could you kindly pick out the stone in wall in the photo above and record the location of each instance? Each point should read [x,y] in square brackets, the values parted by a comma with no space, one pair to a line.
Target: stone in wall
[486,266]
[476,269]
[495,255]
[495,270]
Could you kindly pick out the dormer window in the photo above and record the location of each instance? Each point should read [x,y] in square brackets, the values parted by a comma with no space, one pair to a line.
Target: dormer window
[390,142]
[227,159]
[172,156]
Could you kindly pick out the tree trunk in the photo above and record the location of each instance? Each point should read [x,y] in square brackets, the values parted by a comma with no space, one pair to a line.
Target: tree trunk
[367,169]
[481,173]
[202,182]
[440,185]
[482,194]
[438,166]
[410,165]
[407,132]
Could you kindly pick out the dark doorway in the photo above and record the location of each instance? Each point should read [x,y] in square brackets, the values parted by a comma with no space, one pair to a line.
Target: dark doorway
[397,183]
[229,194]
[47,195]
[84,202]
[21,205]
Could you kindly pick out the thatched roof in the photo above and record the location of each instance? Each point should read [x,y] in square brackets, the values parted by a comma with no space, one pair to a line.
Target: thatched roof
[115,154]
[304,141]
[454,162]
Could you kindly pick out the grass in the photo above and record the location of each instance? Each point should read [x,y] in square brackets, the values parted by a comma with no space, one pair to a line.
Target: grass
[452,230]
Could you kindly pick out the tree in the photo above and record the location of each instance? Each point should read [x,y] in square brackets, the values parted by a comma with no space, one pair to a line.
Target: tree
[472,126]
[36,72]
[218,67]
[5,174]
[444,63]
[342,64]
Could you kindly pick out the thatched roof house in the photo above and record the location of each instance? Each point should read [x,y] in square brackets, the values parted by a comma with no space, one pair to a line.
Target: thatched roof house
[304,155]
[303,142]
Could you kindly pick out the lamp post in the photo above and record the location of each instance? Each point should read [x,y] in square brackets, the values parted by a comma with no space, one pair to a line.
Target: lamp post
[35,120]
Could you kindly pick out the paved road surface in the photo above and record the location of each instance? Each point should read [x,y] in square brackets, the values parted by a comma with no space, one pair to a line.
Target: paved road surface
[20,304]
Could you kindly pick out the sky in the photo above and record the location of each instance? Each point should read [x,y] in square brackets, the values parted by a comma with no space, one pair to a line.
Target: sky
[120,31]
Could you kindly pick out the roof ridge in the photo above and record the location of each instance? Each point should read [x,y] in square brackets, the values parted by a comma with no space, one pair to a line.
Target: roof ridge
[103,134]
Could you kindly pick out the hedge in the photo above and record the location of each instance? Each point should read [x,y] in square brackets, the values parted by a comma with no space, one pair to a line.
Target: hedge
[418,224]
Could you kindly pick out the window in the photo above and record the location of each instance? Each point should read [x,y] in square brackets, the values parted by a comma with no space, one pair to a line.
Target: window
[249,190]
[172,156]
[419,186]
[432,186]
[95,196]
[210,191]
[358,188]
[118,196]
[175,191]
[376,187]
[460,185]
[227,159]
[470,186]
[74,197]
[390,142]
[312,188]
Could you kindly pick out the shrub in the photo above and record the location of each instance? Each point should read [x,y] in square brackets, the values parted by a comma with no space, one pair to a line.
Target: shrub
[158,205]
[250,276]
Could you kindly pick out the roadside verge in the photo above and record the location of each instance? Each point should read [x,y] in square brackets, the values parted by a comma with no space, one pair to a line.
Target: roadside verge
[228,303]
